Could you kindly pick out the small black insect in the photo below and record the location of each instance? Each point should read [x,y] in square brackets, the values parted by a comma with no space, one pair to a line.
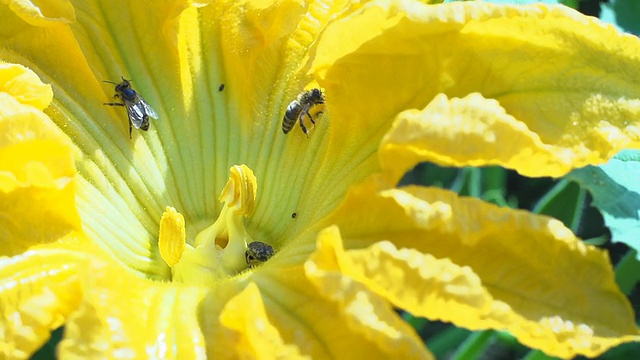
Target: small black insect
[221,87]
[300,107]
[294,215]
[138,109]
[257,253]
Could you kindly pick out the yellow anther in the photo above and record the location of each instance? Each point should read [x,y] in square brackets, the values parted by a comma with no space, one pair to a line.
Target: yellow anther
[172,236]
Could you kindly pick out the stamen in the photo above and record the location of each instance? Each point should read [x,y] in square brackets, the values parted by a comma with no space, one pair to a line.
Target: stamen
[220,250]
[240,191]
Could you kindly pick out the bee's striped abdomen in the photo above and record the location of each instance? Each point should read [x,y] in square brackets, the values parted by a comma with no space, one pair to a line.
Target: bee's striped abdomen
[291,116]
[300,107]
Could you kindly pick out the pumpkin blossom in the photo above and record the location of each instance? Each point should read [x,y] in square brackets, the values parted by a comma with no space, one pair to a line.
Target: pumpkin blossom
[213,234]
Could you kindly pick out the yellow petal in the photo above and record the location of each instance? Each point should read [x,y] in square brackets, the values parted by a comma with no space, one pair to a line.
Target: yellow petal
[484,135]
[305,316]
[66,57]
[124,316]
[254,37]
[250,333]
[172,238]
[39,289]
[37,190]
[24,86]
[517,271]
[543,64]
[45,12]
[122,182]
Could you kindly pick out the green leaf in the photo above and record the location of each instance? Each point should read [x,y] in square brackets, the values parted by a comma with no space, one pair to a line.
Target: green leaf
[563,202]
[628,272]
[48,350]
[570,3]
[624,14]
[538,355]
[615,187]
[446,341]
[474,345]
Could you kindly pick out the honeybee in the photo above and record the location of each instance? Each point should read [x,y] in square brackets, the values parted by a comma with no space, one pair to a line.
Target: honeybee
[257,253]
[300,107]
[138,109]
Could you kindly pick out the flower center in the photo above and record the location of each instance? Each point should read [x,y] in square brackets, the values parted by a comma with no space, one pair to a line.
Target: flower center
[221,250]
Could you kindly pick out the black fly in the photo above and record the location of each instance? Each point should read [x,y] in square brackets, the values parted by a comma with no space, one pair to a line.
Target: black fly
[257,253]
[137,108]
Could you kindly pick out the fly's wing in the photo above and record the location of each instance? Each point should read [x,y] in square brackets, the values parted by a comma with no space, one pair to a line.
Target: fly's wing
[137,115]
[148,109]
[138,111]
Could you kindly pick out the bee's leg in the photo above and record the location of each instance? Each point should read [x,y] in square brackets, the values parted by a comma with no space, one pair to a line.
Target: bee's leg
[301,121]
[113,104]
[129,128]
[310,117]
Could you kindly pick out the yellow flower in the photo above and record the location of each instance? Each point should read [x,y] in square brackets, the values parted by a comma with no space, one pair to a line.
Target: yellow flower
[137,257]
